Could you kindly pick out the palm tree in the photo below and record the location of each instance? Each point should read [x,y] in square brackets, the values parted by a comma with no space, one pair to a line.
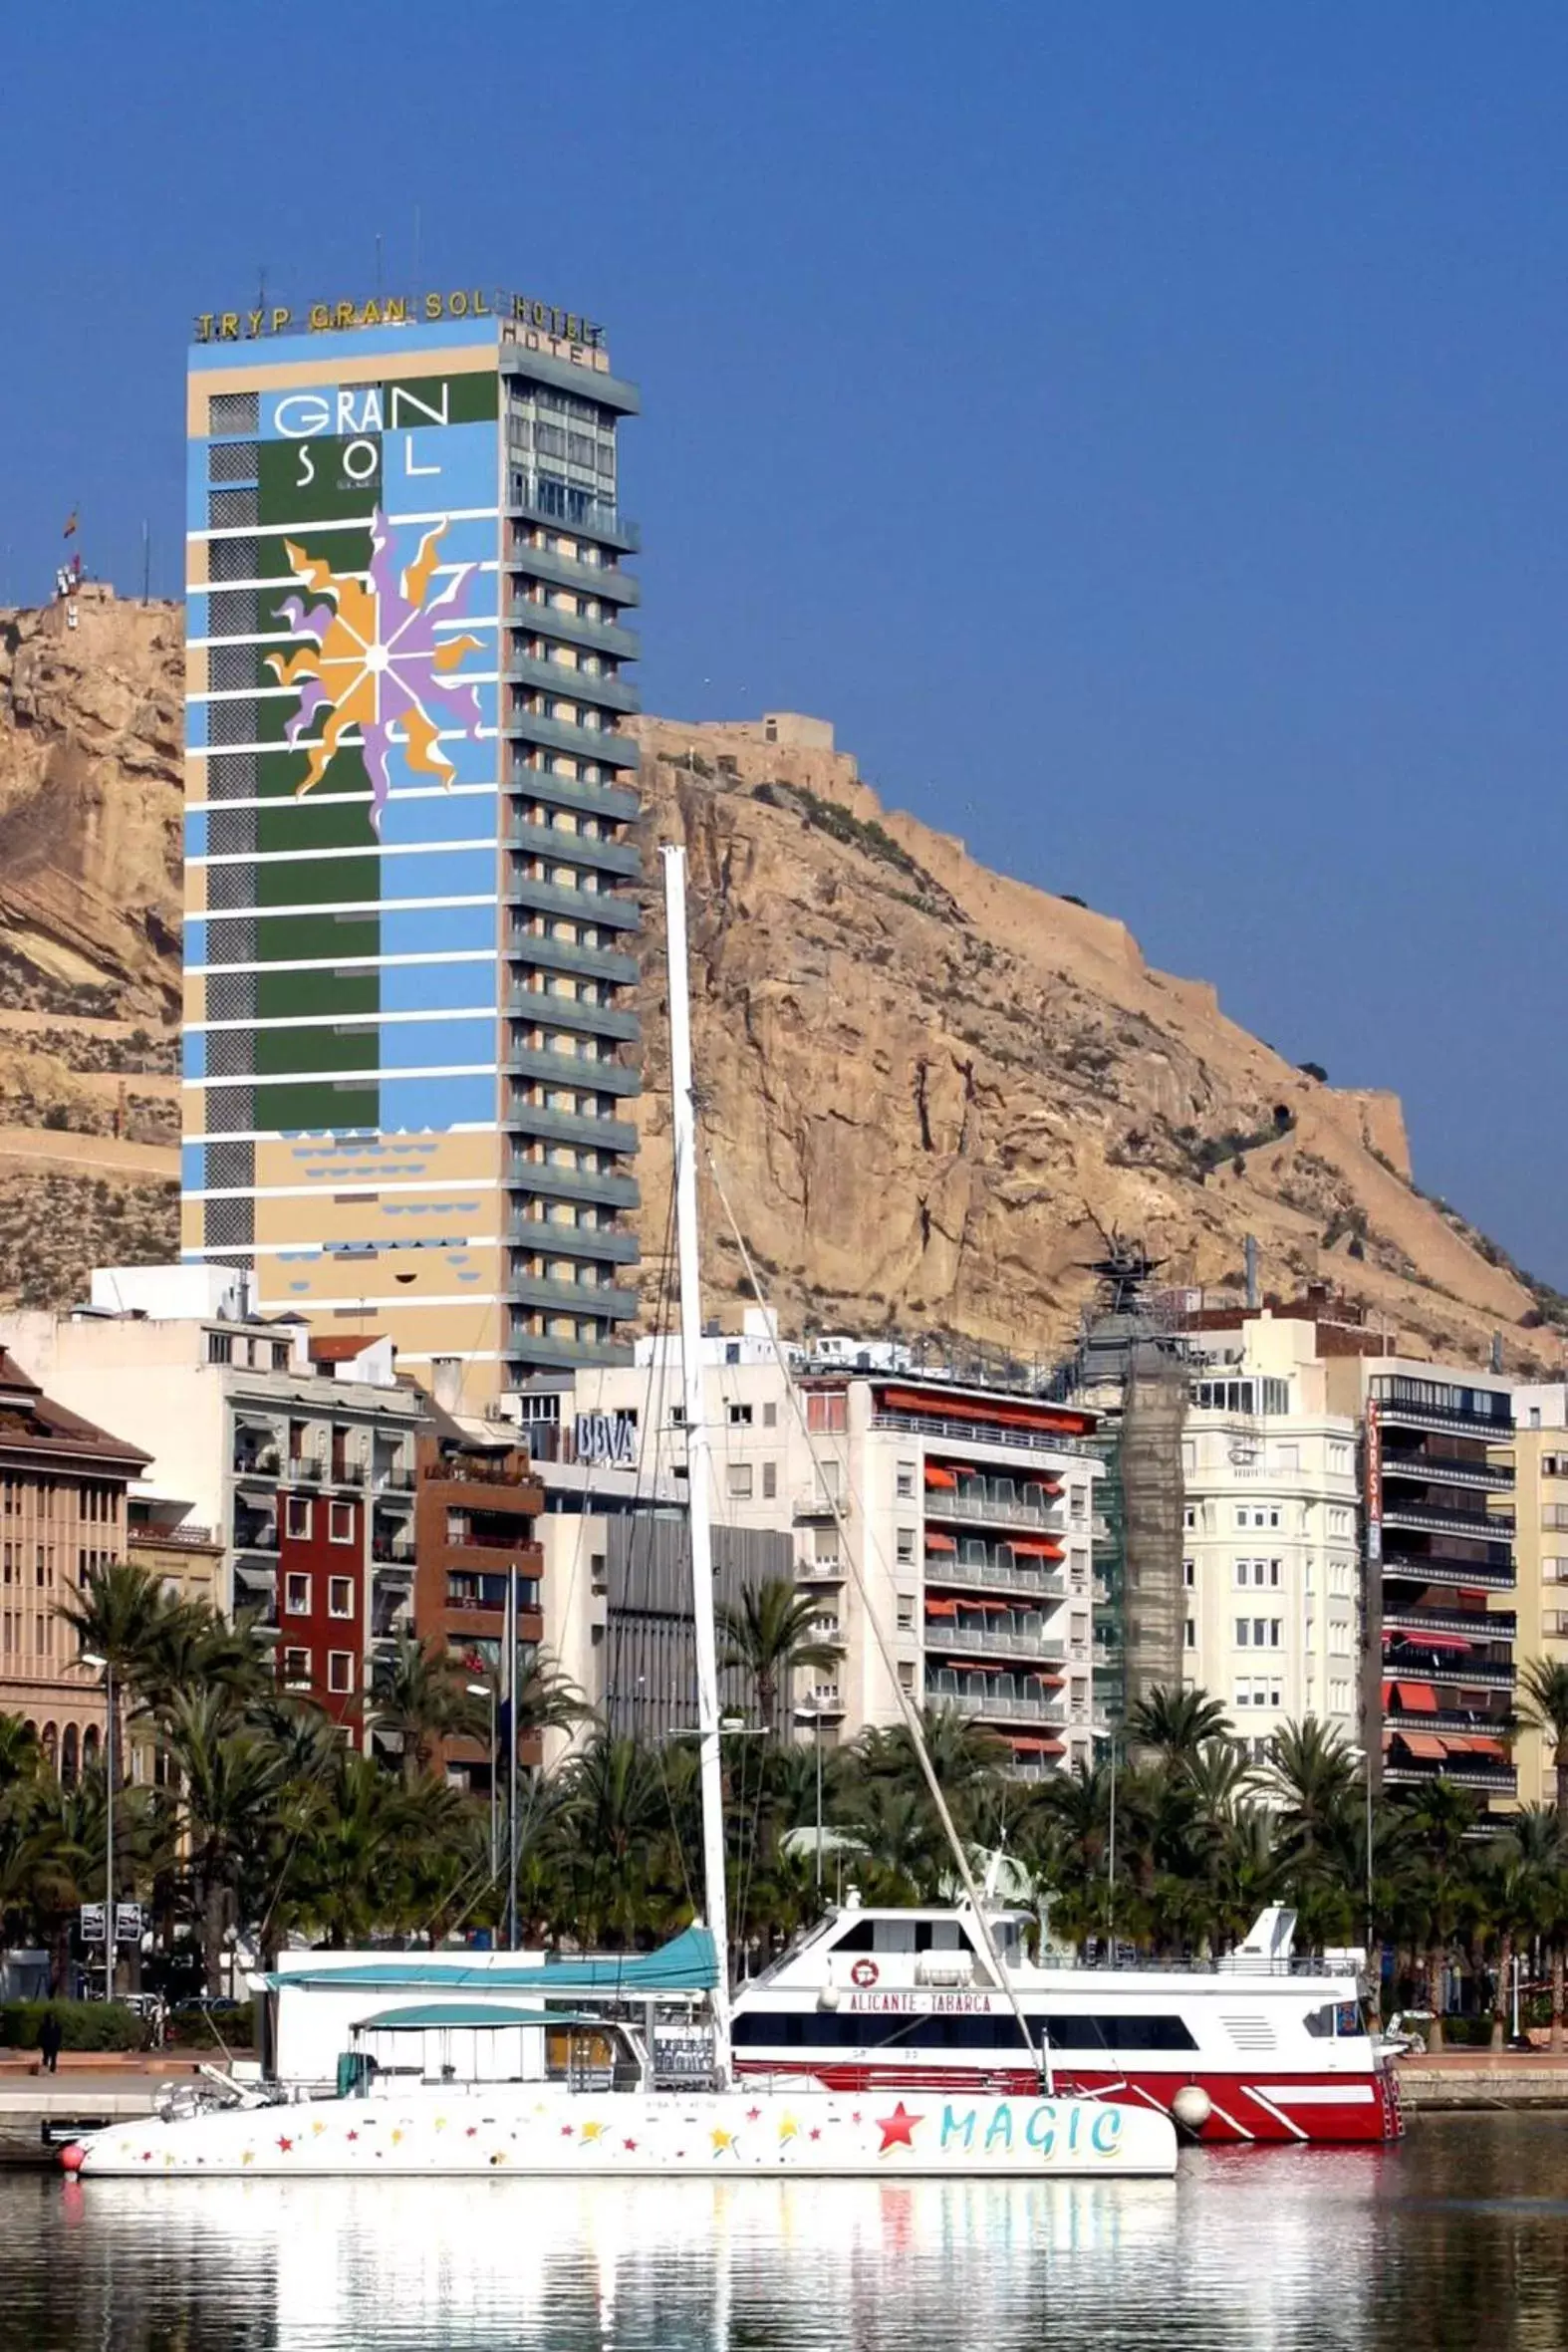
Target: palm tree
[768,1638]
[1177,1724]
[123,1615]
[613,1812]
[1441,1817]
[20,1754]
[1543,1690]
[231,1777]
[420,1695]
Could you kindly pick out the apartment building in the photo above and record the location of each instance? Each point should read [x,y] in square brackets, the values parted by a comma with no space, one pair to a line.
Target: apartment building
[63,1483]
[1270,1569]
[954,1520]
[1540,1551]
[295,1455]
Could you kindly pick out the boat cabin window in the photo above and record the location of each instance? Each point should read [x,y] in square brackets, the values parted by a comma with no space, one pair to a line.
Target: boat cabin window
[874,1934]
[998,2030]
[1337,2020]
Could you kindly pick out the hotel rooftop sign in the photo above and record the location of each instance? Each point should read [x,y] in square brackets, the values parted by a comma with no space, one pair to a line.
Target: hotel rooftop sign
[397,309]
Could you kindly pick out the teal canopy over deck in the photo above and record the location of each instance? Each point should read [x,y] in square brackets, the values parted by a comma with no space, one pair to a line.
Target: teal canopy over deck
[433,2017]
[688,1963]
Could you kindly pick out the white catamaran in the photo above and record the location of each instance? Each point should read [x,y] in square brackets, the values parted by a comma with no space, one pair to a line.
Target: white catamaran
[536,2084]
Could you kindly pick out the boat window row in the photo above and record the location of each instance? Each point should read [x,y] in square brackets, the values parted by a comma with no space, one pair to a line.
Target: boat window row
[784,2029]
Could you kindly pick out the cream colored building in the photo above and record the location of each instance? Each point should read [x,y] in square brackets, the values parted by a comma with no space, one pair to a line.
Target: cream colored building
[1270,1562]
[1540,1552]
[957,1520]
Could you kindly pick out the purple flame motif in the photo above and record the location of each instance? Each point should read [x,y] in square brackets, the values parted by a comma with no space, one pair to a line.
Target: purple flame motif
[377,659]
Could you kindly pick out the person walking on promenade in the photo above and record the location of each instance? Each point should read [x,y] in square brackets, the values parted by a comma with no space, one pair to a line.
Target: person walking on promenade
[50,2037]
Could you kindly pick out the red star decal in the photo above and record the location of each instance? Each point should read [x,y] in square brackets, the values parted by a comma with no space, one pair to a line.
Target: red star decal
[566,2130]
[284,2145]
[351,2135]
[629,2146]
[898,2129]
[146,2155]
[753,2115]
[815,2135]
[472,2133]
[854,2117]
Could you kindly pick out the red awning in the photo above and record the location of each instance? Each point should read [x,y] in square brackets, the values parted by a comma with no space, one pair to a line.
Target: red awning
[1048,1419]
[990,1607]
[1424,1744]
[1416,1698]
[1024,1743]
[1472,1596]
[937,1542]
[937,1476]
[1034,1547]
[941,1608]
[1425,1641]
[1488,1748]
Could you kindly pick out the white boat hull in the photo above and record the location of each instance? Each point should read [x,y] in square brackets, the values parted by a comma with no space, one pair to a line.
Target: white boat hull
[529,2131]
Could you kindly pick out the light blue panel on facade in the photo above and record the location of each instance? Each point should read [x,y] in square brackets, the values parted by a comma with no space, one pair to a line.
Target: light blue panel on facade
[196,726]
[434,468]
[439,874]
[438,988]
[197,614]
[192,1168]
[194,1053]
[443,1044]
[416,1104]
[437,930]
[196,940]
[472,757]
[195,833]
[309,349]
[438,817]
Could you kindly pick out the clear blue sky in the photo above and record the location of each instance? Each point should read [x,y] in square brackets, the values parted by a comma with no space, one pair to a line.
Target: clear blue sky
[1141,428]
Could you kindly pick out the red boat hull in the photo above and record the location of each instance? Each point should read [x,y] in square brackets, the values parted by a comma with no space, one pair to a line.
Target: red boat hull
[1322,2109]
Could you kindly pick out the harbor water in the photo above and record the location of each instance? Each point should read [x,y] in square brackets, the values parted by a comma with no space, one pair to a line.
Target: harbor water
[1455,2239]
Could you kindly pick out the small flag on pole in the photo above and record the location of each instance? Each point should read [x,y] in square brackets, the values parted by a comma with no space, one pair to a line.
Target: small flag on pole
[71,525]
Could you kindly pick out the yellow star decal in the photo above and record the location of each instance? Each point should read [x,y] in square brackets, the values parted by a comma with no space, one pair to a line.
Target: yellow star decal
[440,2123]
[317,2127]
[593,2130]
[721,2140]
[396,2136]
[250,2156]
[789,2129]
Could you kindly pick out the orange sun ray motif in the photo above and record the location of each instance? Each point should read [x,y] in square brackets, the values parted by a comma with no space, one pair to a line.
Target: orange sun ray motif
[373,665]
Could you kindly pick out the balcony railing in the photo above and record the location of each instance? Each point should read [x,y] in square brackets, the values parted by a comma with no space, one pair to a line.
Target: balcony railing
[393,1555]
[397,1480]
[1467,1771]
[1034,1647]
[348,1473]
[306,1469]
[1443,1471]
[1481,1672]
[258,1536]
[1491,1626]
[942,1568]
[259,1461]
[993,1510]
[1436,1518]
[999,1707]
[981,1433]
[1439,1568]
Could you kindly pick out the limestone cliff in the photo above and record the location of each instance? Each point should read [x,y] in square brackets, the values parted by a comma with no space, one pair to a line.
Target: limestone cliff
[926,1086]
[924,1081]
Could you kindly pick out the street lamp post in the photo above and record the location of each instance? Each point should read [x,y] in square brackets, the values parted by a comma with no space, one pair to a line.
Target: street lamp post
[813,1715]
[487,1691]
[94,1657]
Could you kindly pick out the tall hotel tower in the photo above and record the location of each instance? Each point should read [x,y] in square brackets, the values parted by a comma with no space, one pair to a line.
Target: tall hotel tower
[410,879]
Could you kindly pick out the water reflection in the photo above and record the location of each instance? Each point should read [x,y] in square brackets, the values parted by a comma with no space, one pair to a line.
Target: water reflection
[1451,2240]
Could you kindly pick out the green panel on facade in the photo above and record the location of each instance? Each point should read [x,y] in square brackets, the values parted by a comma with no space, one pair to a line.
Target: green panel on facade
[279,775]
[308,939]
[318,823]
[287,1109]
[470,398]
[326,881]
[346,550]
[292,996]
[305,483]
[282,1051]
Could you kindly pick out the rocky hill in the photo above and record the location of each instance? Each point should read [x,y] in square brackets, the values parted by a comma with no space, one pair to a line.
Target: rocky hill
[927,1085]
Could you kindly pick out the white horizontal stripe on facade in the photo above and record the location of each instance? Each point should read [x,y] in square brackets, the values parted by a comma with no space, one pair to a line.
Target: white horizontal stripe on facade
[374,1076]
[288,582]
[403,1300]
[356,1023]
[459,677]
[336,907]
[384,849]
[274,800]
[289,636]
[342,964]
[376,1185]
[344,1136]
[344,522]
[317,743]
[323,1252]
[457,1355]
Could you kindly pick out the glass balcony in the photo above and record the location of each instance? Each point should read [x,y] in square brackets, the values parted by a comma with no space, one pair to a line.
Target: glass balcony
[605,909]
[607,581]
[573,628]
[577,849]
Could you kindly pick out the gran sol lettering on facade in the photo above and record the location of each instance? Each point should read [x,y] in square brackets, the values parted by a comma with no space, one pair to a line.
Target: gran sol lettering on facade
[399,310]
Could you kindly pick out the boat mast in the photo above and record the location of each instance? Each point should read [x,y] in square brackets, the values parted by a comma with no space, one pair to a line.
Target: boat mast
[684,1146]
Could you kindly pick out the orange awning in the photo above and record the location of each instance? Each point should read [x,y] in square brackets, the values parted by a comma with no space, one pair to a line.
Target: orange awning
[1048,1419]
[941,1608]
[935,1542]
[1024,1743]
[1416,1698]
[1423,1744]
[939,1477]
[1034,1547]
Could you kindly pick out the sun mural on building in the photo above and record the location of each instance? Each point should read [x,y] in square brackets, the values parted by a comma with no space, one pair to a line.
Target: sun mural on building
[381,659]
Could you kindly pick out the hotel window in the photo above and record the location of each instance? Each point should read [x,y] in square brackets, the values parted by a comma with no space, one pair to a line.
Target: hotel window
[770,1481]
[904,1545]
[1191,1633]
[1244,1632]
[1078,1506]
[1190,1515]
[340,1596]
[220,1347]
[1275,1567]
[1259,1632]
[903,1481]
[298,1510]
[1189,1573]
[1244,1695]
[1241,1514]
[737,1482]
[340,1523]
[340,1670]
[827,1409]
[904,1606]
[740,1416]
[1277,1632]
[770,1415]
[297,1594]
[296,1669]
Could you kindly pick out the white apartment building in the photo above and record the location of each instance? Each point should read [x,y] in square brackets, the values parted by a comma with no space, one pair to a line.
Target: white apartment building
[296,1456]
[956,1519]
[1270,1557]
